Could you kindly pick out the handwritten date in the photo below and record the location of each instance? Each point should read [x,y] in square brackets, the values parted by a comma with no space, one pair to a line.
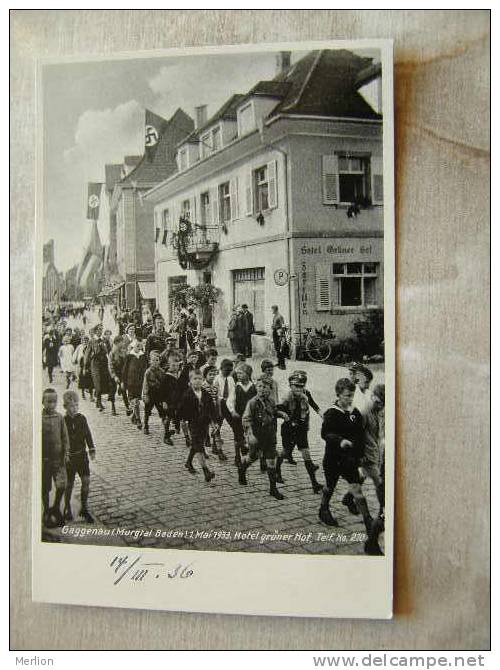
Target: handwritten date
[136,570]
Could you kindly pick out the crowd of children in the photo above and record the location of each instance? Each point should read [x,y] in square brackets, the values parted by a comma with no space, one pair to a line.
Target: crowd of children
[194,395]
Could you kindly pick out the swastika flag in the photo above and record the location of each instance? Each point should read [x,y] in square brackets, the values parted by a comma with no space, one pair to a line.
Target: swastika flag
[93,200]
[154,128]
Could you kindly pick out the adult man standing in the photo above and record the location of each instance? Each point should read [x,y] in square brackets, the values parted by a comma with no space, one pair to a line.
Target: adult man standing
[277,329]
[247,329]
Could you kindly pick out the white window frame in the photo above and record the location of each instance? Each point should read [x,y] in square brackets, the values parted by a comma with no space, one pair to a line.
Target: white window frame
[258,184]
[207,211]
[365,174]
[222,198]
[207,141]
[338,276]
[183,154]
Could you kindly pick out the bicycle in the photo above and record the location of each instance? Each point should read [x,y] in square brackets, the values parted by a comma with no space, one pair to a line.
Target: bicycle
[317,346]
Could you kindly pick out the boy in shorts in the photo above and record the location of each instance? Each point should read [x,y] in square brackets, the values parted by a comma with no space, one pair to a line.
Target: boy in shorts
[260,424]
[342,431]
[80,439]
[55,447]
[294,432]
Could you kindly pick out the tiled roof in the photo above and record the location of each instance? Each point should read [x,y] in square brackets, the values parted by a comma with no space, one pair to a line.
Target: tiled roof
[323,83]
[148,172]
[227,111]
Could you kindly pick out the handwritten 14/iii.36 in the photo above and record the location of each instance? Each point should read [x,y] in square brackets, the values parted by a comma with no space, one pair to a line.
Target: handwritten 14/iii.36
[136,571]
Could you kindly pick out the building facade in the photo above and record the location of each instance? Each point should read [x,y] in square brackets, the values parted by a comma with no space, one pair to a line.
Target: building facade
[278,199]
[131,234]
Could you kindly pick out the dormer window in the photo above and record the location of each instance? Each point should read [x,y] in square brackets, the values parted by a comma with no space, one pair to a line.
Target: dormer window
[211,141]
[182,159]
[246,119]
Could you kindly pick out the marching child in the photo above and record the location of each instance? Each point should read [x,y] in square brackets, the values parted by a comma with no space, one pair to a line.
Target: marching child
[211,359]
[362,377]
[301,377]
[153,389]
[294,432]
[209,374]
[84,377]
[226,391]
[342,431]
[134,369]
[55,447]
[373,438]
[65,355]
[172,395]
[197,410]
[260,424]
[243,392]
[80,439]
[116,361]
[267,368]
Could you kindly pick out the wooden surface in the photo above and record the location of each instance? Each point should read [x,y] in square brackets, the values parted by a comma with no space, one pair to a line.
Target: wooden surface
[442,226]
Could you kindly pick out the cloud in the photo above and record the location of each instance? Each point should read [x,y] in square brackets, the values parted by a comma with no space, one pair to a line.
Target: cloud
[207,81]
[106,136]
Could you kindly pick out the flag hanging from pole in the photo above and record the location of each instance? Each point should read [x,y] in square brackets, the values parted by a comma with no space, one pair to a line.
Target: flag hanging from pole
[154,128]
[93,200]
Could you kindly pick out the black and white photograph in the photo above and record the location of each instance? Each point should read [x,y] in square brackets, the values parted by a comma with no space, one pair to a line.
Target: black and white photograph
[214,341]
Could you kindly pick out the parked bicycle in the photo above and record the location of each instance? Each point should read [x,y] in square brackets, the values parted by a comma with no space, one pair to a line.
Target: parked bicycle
[317,345]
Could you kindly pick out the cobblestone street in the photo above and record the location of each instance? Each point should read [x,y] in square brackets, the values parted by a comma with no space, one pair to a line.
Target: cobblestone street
[139,483]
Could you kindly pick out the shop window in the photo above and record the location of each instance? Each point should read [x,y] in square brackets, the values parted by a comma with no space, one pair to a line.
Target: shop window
[355,284]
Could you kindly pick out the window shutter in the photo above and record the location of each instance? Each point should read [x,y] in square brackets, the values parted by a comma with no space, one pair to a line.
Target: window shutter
[330,178]
[377,170]
[157,234]
[323,298]
[164,238]
[249,193]
[271,178]
[192,209]
[233,190]
[214,194]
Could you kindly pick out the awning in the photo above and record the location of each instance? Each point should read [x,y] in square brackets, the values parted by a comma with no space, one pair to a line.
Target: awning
[108,290]
[147,289]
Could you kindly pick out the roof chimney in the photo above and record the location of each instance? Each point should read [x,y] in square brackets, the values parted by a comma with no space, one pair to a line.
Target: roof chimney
[201,115]
[283,61]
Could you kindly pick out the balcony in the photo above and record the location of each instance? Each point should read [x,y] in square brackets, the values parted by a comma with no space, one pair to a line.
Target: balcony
[202,242]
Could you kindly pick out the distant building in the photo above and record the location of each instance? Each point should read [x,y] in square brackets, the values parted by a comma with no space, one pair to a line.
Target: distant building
[72,290]
[52,285]
[130,216]
[278,199]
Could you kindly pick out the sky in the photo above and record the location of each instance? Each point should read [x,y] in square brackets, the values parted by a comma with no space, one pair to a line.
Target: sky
[94,114]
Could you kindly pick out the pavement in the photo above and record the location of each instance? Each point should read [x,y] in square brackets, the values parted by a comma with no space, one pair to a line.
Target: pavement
[141,494]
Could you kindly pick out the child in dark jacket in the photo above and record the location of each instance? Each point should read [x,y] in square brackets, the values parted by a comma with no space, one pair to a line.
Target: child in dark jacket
[342,431]
[197,409]
[133,372]
[153,389]
[244,391]
[116,361]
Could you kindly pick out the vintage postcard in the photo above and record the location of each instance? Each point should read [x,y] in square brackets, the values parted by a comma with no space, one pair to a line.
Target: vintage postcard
[214,365]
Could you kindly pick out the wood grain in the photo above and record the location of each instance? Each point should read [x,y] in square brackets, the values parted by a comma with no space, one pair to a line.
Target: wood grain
[442,479]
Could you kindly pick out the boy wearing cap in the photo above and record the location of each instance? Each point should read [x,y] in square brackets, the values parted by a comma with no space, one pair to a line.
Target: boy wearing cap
[373,437]
[260,424]
[294,432]
[342,431]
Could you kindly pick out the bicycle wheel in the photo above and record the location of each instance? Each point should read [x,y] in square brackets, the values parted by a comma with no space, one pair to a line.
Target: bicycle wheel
[318,350]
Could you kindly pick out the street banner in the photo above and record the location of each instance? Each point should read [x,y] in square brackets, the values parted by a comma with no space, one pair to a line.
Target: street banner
[93,200]
[153,132]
